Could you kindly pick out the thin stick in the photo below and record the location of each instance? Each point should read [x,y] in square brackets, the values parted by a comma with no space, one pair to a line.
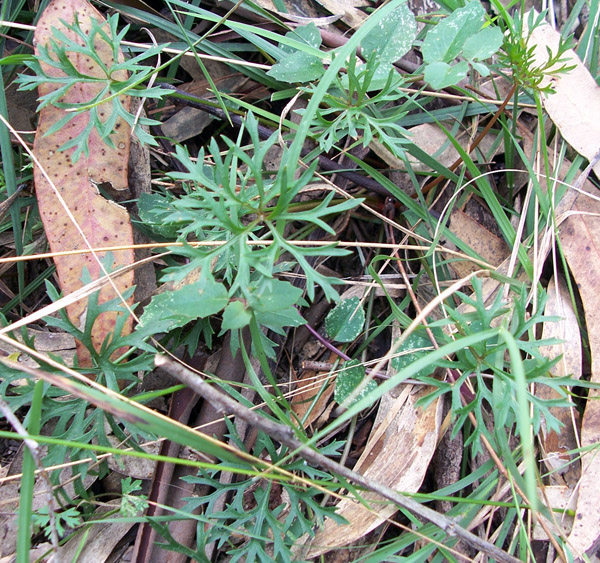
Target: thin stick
[285,435]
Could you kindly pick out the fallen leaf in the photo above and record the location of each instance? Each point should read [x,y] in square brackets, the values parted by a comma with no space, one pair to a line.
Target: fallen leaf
[580,241]
[576,97]
[73,185]
[100,540]
[555,445]
[430,138]
[559,498]
[348,9]
[491,248]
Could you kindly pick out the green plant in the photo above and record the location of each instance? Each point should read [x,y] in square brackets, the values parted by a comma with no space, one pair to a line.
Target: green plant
[244,229]
[460,33]
[268,517]
[123,76]
[231,202]
[518,53]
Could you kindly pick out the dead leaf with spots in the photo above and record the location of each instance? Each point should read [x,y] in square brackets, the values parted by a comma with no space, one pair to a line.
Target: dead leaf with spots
[564,468]
[74,214]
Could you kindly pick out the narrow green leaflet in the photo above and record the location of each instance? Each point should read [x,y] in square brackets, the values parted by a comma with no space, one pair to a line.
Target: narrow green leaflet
[345,321]
[173,309]
[392,38]
[349,379]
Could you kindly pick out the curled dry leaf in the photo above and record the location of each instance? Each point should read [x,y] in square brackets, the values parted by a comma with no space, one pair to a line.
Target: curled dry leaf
[72,185]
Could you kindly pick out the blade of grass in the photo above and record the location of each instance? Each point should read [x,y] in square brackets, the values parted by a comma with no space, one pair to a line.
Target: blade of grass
[24,532]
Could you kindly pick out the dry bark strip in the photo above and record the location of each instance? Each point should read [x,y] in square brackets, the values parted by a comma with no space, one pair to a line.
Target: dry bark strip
[168,487]
[285,435]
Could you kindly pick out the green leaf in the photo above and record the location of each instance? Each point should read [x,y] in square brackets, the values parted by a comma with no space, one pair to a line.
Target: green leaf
[349,379]
[297,67]
[441,75]
[173,309]
[308,34]
[445,41]
[484,44]
[16,59]
[345,321]
[422,346]
[235,316]
[393,37]
[481,68]
[273,295]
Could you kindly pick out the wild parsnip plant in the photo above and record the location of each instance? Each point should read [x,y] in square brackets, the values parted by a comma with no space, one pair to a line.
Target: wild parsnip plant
[243,233]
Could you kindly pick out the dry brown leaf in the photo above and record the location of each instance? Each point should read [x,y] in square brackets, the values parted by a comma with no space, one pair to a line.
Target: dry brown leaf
[102,222]
[559,498]
[101,539]
[59,344]
[348,9]
[580,241]
[576,98]
[555,445]
[430,138]
[307,388]
[398,453]
[490,247]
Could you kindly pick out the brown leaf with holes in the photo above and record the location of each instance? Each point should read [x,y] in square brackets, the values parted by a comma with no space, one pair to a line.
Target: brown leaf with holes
[70,205]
